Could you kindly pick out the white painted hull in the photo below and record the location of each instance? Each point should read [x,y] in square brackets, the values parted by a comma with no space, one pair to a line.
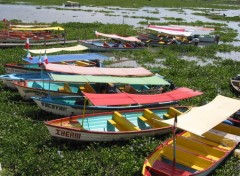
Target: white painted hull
[61,109]
[85,135]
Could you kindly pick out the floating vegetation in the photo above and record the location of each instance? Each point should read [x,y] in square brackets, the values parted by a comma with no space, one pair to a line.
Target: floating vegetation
[221,17]
[173,19]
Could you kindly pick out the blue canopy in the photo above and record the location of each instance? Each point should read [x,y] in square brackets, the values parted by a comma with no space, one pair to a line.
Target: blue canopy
[66,57]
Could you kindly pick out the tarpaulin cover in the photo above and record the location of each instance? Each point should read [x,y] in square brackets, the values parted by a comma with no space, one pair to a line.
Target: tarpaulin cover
[38,29]
[125,98]
[139,71]
[117,37]
[170,30]
[66,57]
[53,50]
[149,80]
[202,119]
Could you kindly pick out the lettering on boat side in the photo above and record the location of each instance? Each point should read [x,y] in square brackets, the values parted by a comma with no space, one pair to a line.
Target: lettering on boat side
[35,92]
[51,106]
[68,134]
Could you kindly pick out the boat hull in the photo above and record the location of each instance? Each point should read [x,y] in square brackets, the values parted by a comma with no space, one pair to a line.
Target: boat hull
[26,92]
[100,48]
[68,109]
[84,136]
[191,155]
[96,126]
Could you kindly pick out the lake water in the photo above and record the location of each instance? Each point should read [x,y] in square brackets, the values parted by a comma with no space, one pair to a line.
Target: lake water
[116,15]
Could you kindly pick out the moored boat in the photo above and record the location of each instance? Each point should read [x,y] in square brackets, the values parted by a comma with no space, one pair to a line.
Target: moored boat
[75,84]
[202,147]
[8,79]
[32,65]
[112,126]
[235,84]
[114,42]
[72,4]
[91,103]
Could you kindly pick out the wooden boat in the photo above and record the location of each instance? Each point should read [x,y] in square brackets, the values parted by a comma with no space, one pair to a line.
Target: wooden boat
[235,84]
[162,40]
[83,68]
[112,126]
[115,42]
[72,4]
[180,35]
[17,36]
[89,59]
[202,147]
[87,83]
[92,103]
[8,79]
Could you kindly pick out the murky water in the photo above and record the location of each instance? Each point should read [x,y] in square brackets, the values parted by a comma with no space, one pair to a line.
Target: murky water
[116,15]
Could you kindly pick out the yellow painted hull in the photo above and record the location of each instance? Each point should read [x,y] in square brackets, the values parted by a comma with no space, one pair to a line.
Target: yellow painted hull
[195,155]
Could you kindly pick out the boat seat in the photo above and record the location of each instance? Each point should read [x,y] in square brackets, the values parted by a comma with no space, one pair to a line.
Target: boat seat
[82,63]
[200,148]
[187,159]
[129,89]
[172,112]
[65,88]
[75,124]
[152,119]
[87,88]
[223,138]
[162,167]
[121,123]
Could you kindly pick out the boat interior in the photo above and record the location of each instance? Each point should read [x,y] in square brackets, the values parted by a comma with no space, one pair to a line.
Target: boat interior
[194,153]
[122,122]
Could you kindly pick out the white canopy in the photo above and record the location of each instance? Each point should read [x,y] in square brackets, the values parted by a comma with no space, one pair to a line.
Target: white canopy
[170,30]
[202,119]
[53,50]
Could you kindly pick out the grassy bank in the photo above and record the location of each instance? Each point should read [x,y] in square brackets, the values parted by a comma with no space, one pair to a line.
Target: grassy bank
[26,147]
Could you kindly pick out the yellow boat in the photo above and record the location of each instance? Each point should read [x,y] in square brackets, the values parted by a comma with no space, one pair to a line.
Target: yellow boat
[199,150]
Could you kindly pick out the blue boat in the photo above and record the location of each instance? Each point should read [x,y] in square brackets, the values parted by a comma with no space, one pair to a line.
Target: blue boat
[88,59]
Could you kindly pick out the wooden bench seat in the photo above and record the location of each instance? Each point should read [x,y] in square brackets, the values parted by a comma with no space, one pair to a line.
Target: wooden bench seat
[172,112]
[152,119]
[187,159]
[121,123]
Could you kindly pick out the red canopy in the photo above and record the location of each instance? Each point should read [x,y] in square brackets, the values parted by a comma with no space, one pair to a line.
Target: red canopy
[125,98]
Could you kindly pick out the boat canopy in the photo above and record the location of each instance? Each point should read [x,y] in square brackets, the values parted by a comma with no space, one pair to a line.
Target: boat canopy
[118,37]
[58,28]
[27,26]
[201,119]
[193,28]
[66,57]
[171,30]
[150,80]
[125,98]
[54,50]
[139,71]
